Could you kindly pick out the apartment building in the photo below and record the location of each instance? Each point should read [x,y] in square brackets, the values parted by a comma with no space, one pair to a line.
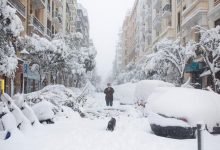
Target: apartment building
[82,24]
[130,36]
[213,13]
[193,12]
[69,16]
[163,20]
[148,26]
[45,18]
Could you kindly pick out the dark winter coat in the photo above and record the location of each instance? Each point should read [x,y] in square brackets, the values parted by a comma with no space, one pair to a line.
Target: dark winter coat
[109,93]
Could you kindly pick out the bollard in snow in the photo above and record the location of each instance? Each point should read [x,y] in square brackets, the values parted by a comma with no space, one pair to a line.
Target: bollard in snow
[199,137]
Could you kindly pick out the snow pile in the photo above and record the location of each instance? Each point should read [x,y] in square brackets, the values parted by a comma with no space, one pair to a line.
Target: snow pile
[145,88]
[56,94]
[125,93]
[196,106]
[59,96]
[44,110]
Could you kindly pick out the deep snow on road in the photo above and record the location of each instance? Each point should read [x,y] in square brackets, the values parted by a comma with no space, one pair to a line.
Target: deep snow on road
[132,132]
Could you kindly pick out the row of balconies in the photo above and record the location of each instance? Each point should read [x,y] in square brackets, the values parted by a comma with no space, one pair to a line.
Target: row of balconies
[39,4]
[18,6]
[216,2]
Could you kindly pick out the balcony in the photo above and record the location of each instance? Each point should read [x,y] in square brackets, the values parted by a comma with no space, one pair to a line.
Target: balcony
[216,2]
[167,11]
[157,22]
[58,3]
[156,4]
[20,8]
[195,14]
[38,26]
[49,33]
[213,13]
[38,4]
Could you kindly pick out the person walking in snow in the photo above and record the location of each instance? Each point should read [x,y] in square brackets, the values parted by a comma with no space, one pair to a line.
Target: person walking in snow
[109,95]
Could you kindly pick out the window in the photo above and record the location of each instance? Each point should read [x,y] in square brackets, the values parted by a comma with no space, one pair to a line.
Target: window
[197,37]
[184,7]
[178,22]
[217,22]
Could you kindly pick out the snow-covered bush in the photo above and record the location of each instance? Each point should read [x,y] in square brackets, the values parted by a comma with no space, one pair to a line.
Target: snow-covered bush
[10,28]
[58,95]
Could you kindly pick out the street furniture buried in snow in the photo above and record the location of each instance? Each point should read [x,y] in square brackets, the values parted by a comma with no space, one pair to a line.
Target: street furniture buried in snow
[2,86]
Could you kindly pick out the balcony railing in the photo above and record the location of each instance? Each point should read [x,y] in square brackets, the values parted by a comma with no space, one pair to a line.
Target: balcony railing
[156,4]
[216,2]
[18,6]
[167,10]
[157,21]
[49,33]
[39,4]
[37,24]
[59,3]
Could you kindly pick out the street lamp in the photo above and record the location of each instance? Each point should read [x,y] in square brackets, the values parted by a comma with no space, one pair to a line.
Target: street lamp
[24,54]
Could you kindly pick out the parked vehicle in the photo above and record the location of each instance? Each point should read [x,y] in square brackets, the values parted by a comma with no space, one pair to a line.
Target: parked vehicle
[175,112]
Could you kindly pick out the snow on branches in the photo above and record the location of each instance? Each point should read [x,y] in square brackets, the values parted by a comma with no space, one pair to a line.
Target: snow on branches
[63,54]
[209,49]
[49,55]
[10,28]
[167,63]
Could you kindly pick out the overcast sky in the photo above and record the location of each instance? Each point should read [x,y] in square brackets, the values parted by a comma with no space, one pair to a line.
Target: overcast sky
[106,18]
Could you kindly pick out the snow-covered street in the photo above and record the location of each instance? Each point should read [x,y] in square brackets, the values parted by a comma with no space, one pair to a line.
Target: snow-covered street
[132,132]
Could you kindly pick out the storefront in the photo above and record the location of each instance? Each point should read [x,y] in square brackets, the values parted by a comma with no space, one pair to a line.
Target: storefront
[31,79]
[195,69]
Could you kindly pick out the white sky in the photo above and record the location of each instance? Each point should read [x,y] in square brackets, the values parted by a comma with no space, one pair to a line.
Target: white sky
[106,18]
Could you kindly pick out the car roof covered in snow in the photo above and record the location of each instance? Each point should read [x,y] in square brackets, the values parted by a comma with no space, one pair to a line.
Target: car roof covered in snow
[197,106]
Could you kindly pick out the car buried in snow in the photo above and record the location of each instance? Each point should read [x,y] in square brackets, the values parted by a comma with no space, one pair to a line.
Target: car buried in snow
[175,112]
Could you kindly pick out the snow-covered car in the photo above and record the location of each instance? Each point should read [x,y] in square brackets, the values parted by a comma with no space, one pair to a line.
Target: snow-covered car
[45,111]
[175,112]
[145,88]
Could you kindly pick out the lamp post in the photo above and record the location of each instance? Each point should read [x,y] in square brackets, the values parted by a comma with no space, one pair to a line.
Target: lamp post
[24,54]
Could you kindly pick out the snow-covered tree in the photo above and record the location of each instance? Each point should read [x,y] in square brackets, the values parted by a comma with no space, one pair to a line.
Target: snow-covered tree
[174,55]
[80,60]
[209,49]
[10,28]
[167,63]
[48,55]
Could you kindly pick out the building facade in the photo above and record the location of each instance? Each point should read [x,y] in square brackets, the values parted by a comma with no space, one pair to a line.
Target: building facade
[44,18]
[151,21]
[82,24]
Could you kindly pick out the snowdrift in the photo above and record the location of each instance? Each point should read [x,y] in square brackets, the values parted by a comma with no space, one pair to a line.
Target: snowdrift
[125,93]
